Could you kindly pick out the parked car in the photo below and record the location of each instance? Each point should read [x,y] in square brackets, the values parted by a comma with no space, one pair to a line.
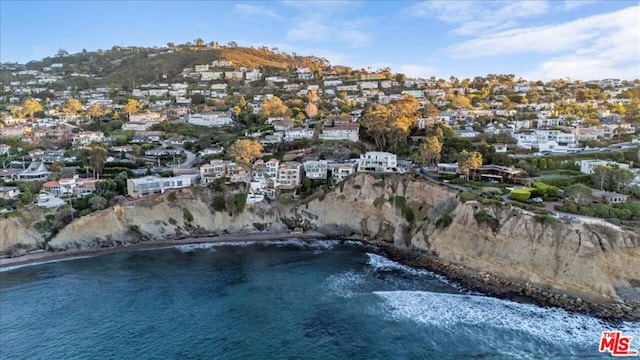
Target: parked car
[537,200]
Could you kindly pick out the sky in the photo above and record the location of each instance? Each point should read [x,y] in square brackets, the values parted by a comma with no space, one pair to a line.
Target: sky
[536,40]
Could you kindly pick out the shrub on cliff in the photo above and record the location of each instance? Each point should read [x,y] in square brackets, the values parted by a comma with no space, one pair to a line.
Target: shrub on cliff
[219,203]
[484,217]
[187,215]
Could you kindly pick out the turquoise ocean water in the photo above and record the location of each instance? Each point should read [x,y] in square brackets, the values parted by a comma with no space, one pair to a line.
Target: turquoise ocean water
[276,300]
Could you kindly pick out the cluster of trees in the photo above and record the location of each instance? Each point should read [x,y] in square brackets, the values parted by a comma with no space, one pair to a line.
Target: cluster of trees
[611,178]
[388,125]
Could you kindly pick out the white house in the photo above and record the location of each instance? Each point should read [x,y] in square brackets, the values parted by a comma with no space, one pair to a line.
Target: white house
[35,171]
[376,161]
[88,137]
[344,131]
[210,119]
[340,171]
[4,149]
[546,140]
[298,133]
[587,166]
[9,192]
[157,185]
[316,169]
[447,168]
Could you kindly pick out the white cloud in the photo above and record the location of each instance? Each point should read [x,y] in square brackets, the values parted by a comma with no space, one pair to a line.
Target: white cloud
[574,4]
[327,22]
[254,10]
[475,17]
[587,35]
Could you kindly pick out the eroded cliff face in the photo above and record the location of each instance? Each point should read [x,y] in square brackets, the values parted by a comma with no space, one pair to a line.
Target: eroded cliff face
[187,213]
[16,237]
[596,263]
[593,262]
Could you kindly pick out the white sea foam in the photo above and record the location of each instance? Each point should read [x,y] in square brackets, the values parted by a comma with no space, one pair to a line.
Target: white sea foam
[15,267]
[342,284]
[450,311]
[313,244]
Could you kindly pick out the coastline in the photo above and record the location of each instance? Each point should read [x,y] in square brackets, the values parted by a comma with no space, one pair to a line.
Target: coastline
[470,278]
[43,256]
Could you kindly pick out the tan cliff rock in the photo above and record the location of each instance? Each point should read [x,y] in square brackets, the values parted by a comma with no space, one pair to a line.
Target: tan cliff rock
[591,262]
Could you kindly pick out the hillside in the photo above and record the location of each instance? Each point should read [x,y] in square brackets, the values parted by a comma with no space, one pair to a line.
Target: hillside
[123,66]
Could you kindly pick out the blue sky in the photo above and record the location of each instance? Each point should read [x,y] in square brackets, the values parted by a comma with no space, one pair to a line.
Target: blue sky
[534,39]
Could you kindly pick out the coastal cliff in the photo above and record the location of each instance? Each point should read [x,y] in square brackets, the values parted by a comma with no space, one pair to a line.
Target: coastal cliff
[495,248]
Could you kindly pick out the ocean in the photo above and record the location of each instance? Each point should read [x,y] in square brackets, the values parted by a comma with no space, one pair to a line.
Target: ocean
[287,299]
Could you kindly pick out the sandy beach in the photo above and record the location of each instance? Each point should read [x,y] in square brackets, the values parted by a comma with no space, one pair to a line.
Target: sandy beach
[47,256]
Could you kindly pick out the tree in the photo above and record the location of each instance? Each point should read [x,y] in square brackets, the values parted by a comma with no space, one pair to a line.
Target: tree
[97,202]
[600,176]
[72,107]
[311,109]
[132,107]
[469,160]
[96,110]
[94,157]
[580,193]
[30,107]
[274,107]
[245,150]
[429,151]
[199,42]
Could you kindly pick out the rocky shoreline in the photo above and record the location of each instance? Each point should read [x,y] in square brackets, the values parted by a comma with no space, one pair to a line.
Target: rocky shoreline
[508,289]
[470,278]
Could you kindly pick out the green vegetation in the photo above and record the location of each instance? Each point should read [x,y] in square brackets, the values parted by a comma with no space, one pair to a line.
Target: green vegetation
[219,203]
[172,197]
[484,217]
[626,211]
[545,219]
[521,194]
[468,196]
[239,201]
[187,215]
[286,199]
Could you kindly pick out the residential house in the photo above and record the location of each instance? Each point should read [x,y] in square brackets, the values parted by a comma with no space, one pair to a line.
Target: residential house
[210,119]
[344,132]
[298,133]
[447,168]
[237,173]
[587,166]
[316,169]
[502,174]
[216,169]
[87,137]
[609,197]
[36,171]
[376,161]
[9,192]
[546,140]
[4,149]
[157,185]
[214,150]
[340,171]
[586,134]
[137,126]
[71,186]
[289,175]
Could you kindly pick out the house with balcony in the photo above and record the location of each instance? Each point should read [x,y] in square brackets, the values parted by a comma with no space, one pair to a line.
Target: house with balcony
[316,169]
[588,166]
[289,175]
[210,119]
[377,161]
[216,169]
[36,171]
[157,185]
[9,192]
[447,168]
[87,137]
[340,171]
[343,132]
[298,133]
[503,174]
[71,186]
